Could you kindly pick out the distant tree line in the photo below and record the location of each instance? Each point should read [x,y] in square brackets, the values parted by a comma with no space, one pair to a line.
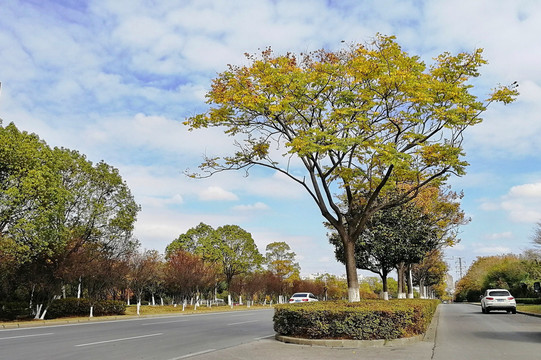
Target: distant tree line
[517,273]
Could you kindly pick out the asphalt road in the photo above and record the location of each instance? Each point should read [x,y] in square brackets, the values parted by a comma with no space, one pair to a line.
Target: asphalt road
[463,329]
[460,332]
[163,338]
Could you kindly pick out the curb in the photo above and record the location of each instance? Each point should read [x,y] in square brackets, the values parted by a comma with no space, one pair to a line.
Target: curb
[429,335]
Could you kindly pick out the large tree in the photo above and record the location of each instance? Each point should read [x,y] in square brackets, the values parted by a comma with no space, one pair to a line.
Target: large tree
[56,205]
[230,247]
[280,259]
[362,122]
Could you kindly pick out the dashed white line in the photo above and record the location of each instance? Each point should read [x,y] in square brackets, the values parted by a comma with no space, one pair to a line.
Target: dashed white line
[264,337]
[193,354]
[242,322]
[123,339]
[165,322]
[25,336]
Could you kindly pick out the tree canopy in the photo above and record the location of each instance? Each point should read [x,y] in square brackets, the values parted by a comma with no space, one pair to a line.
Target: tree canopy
[230,247]
[281,260]
[60,212]
[365,122]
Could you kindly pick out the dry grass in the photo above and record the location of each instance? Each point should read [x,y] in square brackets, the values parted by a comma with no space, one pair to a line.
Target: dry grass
[535,309]
[170,309]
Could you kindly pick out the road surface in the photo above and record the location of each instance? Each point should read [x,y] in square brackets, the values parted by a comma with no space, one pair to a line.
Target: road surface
[461,332]
[163,338]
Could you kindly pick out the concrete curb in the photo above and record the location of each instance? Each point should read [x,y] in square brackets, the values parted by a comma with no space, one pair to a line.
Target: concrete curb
[430,335]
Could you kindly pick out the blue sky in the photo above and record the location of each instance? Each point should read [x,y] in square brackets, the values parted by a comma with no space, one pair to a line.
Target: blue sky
[116,79]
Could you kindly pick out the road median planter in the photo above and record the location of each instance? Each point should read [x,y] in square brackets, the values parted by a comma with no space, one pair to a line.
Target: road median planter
[366,320]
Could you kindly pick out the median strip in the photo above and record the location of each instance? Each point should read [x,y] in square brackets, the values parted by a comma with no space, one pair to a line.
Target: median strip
[115,340]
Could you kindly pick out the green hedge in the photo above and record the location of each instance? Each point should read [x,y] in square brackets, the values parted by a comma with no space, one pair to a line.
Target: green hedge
[528,300]
[366,320]
[10,311]
[81,307]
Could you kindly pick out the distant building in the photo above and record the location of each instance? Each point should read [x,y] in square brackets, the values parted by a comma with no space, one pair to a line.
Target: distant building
[450,284]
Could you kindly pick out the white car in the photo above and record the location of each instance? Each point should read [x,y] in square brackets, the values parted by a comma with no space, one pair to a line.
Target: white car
[498,299]
[302,297]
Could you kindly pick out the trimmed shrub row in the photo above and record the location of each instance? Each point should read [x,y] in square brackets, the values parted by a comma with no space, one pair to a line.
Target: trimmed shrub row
[366,320]
[81,307]
[10,311]
[528,300]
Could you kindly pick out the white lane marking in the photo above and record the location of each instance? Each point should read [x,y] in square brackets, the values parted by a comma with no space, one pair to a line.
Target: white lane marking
[123,339]
[243,322]
[193,354]
[24,336]
[264,337]
[237,315]
[165,322]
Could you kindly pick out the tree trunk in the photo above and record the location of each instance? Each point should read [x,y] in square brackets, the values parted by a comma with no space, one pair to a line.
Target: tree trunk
[79,288]
[401,269]
[351,271]
[91,311]
[38,311]
[32,296]
[42,317]
[410,283]
[385,288]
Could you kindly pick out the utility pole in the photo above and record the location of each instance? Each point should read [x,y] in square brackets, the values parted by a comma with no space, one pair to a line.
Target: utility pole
[459,266]
[460,272]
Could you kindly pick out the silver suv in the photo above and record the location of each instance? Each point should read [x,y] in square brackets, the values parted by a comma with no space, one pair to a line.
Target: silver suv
[498,299]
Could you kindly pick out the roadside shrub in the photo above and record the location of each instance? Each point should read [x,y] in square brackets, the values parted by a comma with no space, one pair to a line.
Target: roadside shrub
[528,300]
[10,311]
[81,307]
[366,320]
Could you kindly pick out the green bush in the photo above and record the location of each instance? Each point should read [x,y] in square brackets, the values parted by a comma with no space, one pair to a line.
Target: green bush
[366,320]
[528,300]
[81,307]
[10,311]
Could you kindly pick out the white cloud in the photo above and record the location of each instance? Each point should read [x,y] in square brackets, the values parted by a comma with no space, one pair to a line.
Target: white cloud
[498,236]
[526,191]
[491,250]
[216,193]
[258,206]
[522,203]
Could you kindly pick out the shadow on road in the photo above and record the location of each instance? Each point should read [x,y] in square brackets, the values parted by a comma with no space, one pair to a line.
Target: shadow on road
[515,336]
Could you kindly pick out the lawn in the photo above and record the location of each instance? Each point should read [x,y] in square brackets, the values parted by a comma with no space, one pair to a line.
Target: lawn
[536,309]
[170,309]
